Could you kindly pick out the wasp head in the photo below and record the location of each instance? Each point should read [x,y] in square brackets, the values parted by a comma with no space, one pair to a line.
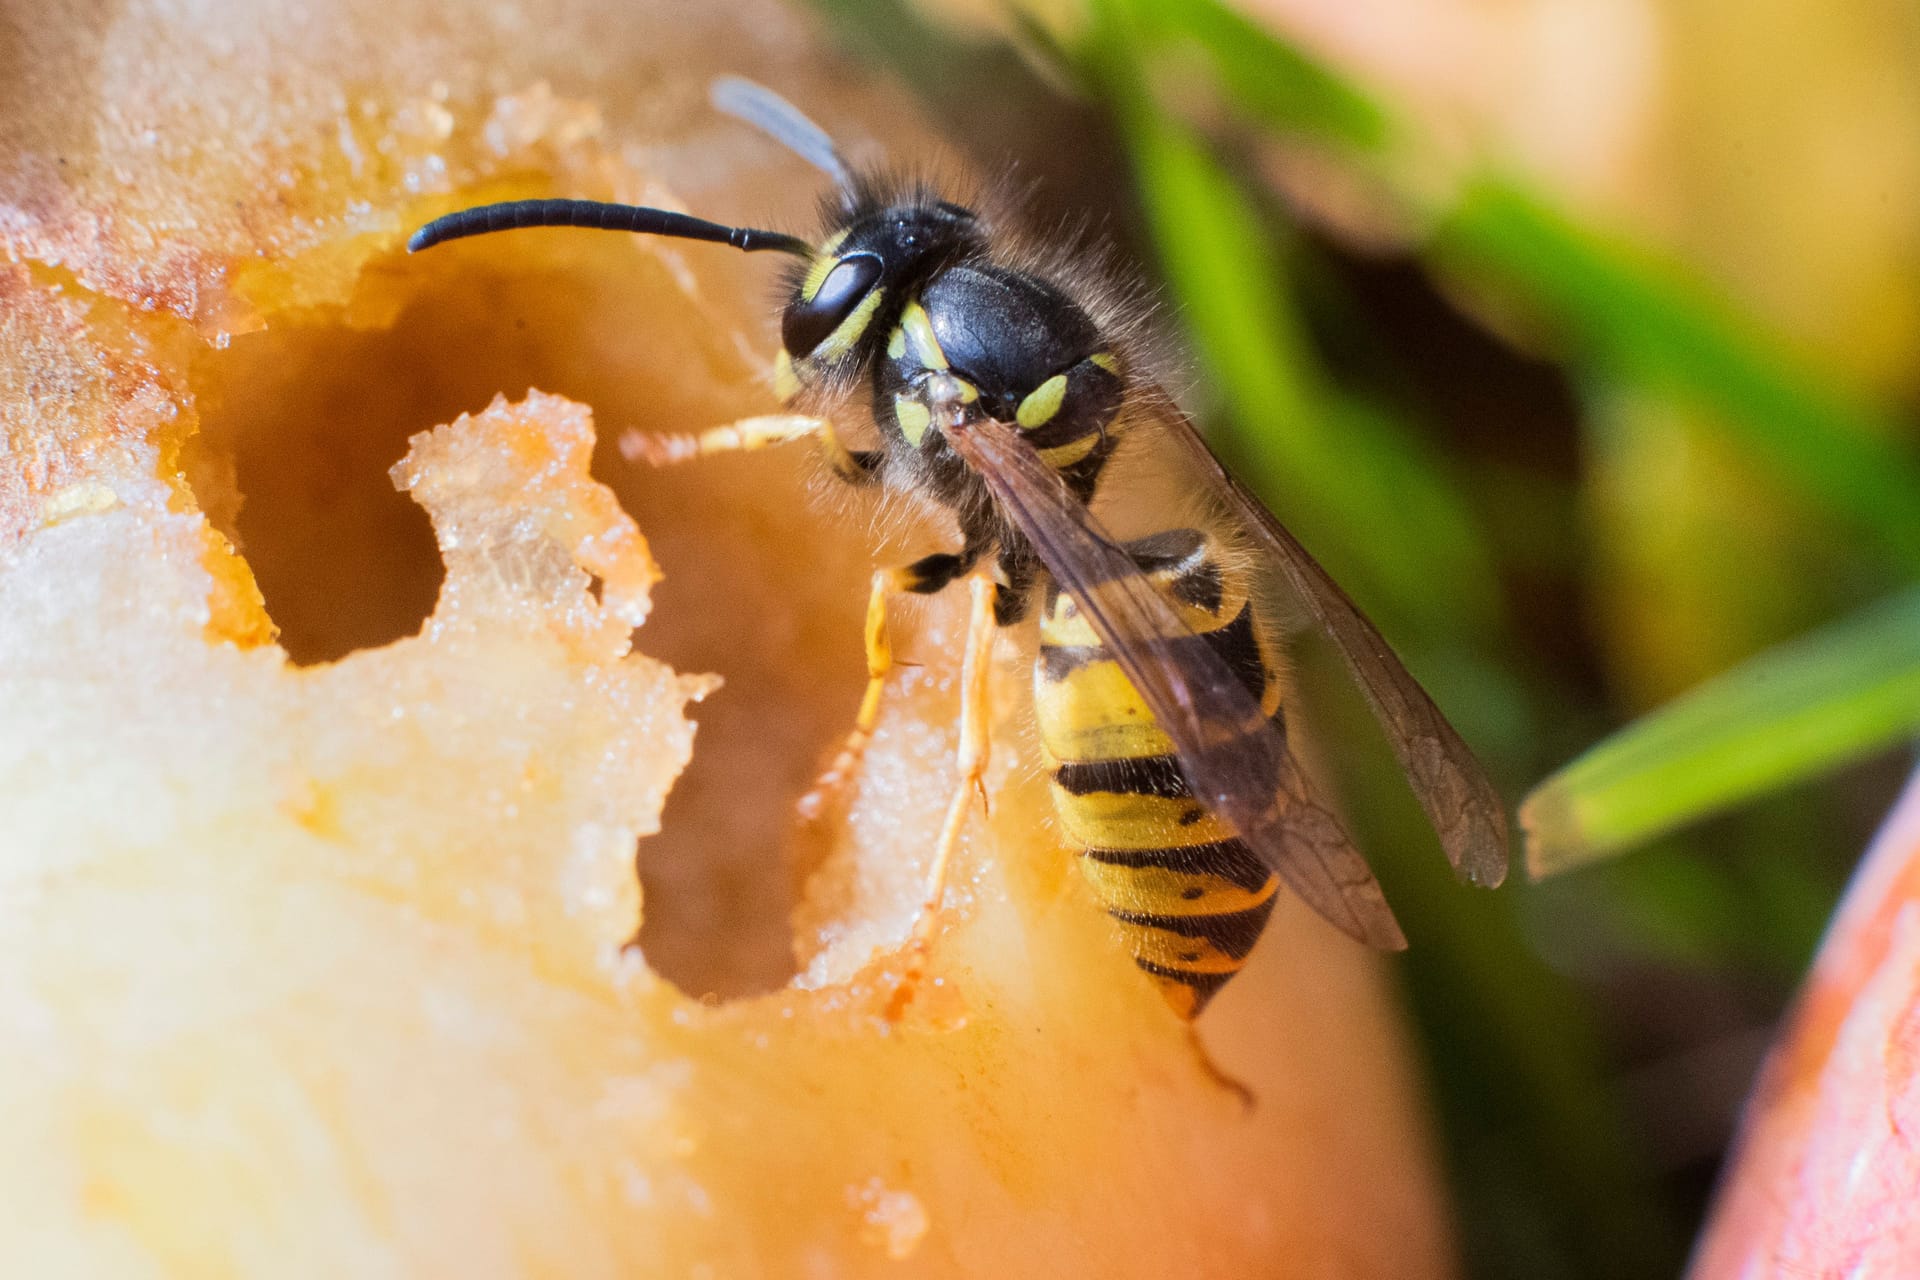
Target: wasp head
[846,298]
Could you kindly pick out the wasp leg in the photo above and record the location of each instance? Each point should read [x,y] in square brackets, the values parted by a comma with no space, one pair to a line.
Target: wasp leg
[923,577]
[855,466]
[886,582]
[664,449]
[976,745]
[1019,568]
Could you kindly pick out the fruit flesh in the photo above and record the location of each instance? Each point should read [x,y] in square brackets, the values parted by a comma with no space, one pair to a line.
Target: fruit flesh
[322,968]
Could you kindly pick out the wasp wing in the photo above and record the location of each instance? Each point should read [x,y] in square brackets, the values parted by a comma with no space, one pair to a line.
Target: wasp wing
[1461,803]
[1235,759]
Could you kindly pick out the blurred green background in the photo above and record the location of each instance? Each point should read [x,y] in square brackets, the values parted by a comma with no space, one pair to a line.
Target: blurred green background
[1576,337]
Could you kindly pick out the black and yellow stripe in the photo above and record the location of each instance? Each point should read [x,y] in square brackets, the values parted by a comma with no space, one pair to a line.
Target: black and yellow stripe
[1066,417]
[1190,897]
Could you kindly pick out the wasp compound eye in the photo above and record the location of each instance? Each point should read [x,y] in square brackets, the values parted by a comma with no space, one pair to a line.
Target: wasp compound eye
[811,320]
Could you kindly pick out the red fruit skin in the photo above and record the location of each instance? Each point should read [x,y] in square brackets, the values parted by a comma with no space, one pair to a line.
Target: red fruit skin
[1826,1178]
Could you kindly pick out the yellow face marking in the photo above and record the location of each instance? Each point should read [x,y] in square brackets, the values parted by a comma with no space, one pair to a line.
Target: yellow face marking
[825,259]
[817,273]
[786,380]
[897,343]
[1060,457]
[1163,891]
[1108,361]
[918,328]
[913,418]
[1042,403]
[841,340]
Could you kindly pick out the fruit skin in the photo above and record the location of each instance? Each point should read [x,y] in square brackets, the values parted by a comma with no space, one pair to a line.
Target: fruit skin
[1822,1182]
[320,969]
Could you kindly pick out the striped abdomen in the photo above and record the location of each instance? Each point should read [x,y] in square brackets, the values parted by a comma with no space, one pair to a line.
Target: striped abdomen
[1190,897]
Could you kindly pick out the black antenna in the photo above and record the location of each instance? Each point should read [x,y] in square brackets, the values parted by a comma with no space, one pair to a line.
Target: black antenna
[780,120]
[600,216]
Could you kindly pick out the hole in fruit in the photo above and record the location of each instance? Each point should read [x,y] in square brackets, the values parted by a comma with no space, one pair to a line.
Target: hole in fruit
[763,585]
[298,426]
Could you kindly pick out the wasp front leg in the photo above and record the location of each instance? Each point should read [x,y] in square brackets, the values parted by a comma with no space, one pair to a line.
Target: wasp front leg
[668,448]
[665,448]
[976,721]
[976,745]
[924,576]
[886,583]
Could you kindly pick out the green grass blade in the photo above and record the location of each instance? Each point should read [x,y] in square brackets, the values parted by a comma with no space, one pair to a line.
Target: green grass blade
[1631,316]
[1843,692]
[1270,78]
[1353,480]
[1619,311]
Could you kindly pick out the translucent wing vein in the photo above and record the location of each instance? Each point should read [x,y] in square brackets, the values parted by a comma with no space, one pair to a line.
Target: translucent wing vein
[1236,761]
[1459,800]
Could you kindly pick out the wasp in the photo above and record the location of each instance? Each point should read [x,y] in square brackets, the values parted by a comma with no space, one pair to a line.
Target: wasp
[1000,390]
